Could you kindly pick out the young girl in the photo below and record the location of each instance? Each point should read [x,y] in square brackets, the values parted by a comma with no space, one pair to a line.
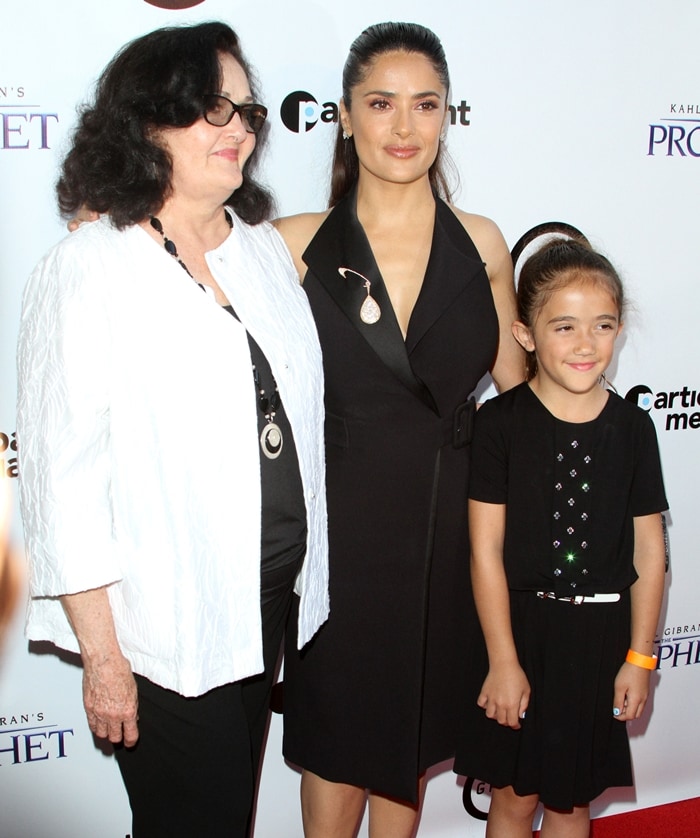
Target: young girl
[567,557]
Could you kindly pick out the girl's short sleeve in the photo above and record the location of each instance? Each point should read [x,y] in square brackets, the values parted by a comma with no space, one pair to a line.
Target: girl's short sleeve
[648,494]
[488,477]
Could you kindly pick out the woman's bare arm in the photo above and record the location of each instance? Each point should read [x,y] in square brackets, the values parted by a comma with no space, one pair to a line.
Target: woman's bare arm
[509,366]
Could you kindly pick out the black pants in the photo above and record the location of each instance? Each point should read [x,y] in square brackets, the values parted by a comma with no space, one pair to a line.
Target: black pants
[193,771]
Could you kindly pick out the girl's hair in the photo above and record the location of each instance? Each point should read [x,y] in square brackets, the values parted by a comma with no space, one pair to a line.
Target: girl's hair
[557,264]
[365,49]
[160,80]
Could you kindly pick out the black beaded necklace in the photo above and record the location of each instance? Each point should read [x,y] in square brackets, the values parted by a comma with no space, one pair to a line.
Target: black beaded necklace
[171,247]
[271,436]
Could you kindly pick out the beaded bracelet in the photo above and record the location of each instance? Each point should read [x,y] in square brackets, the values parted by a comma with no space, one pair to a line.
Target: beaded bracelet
[645,661]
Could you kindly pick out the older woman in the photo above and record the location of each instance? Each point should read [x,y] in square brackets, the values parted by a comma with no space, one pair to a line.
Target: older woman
[170,432]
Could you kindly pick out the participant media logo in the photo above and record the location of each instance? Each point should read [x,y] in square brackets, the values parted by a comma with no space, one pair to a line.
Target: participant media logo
[679,409]
[301,111]
[8,455]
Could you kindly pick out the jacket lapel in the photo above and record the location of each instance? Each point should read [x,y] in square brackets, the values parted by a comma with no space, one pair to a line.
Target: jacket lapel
[454,262]
[341,242]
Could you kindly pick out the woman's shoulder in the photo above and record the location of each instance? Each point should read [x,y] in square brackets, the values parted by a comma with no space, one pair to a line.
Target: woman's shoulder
[487,239]
[80,266]
[298,231]
[479,227]
[87,245]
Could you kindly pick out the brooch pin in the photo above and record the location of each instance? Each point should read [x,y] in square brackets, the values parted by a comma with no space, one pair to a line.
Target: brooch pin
[369,310]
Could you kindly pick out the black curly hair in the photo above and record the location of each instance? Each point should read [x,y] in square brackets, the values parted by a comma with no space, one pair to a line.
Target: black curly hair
[159,80]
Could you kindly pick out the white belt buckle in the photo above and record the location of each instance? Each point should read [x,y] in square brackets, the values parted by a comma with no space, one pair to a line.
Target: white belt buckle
[603,598]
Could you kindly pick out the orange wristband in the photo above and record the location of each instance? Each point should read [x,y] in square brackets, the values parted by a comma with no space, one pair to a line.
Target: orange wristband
[645,661]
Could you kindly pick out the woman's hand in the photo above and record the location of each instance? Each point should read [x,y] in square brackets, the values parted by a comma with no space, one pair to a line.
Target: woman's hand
[505,695]
[111,700]
[109,689]
[83,214]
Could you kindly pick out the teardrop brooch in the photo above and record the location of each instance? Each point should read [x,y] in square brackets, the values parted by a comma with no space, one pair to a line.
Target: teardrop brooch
[369,310]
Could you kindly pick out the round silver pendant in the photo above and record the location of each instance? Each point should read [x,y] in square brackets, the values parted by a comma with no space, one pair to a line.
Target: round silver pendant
[271,441]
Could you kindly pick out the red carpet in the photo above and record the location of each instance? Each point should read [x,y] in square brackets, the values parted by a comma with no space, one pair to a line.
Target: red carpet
[675,820]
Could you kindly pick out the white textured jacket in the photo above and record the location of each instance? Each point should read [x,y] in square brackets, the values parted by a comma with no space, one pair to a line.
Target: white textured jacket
[138,446]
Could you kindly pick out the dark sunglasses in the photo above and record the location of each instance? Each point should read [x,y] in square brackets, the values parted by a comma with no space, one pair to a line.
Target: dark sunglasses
[218,110]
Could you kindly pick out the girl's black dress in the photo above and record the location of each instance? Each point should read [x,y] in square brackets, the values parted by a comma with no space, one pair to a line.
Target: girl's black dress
[572,491]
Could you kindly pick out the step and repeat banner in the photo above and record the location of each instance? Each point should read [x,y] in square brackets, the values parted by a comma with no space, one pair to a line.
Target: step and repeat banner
[579,113]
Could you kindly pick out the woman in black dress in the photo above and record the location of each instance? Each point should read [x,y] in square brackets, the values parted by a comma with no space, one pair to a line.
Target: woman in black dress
[413,300]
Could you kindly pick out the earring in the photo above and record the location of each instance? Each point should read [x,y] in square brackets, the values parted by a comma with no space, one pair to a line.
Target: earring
[346,136]
[443,136]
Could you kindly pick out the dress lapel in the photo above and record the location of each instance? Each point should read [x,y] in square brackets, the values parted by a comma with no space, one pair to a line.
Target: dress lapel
[454,262]
[341,242]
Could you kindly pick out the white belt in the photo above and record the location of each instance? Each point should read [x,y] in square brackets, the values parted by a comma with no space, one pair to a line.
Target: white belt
[578,600]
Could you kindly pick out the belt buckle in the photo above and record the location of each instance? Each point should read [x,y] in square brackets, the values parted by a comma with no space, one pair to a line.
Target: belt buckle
[463,423]
[572,600]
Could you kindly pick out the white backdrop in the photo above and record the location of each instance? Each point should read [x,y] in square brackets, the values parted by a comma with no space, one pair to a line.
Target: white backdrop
[587,113]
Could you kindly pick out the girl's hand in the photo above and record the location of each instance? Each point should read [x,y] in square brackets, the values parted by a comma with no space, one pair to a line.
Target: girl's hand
[631,692]
[505,695]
